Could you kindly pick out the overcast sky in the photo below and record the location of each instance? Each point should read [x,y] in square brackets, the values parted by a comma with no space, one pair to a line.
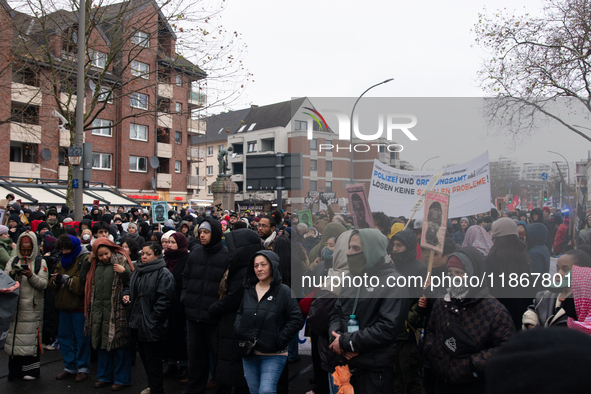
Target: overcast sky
[332,48]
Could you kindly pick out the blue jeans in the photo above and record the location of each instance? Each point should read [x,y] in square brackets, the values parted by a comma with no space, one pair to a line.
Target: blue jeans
[262,373]
[293,348]
[331,386]
[116,362]
[74,345]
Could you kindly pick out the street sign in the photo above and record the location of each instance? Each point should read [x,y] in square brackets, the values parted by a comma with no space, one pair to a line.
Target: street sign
[544,176]
[75,183]
[75,151]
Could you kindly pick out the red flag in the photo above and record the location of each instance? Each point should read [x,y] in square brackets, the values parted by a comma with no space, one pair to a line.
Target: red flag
[530,207]
[514,203]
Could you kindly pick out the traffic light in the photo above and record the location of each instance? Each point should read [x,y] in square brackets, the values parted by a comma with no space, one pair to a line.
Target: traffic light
[545,195]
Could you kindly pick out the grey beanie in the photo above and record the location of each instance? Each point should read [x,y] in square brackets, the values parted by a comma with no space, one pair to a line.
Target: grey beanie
[3,229]
[504,226]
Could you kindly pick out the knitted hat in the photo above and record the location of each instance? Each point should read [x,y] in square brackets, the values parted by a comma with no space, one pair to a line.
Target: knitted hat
[504,226]
[3,229]
[546,209]
[454,261]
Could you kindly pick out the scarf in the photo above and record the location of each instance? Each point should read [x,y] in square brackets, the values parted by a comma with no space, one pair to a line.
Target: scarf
[172,257]
[88,288]
[478,237]
[69,258]
[118,321]
[581,284]
[269,240]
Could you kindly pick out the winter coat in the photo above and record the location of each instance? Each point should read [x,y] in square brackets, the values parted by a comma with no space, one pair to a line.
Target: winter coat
[463,333]
[539,256]
[176,337]
[546,311]
[242,245]
[381,314]
[24,334]
[6,251]
[151,290]
[459,236]
[70,297]
[101,302]
[202,275]
[284,319]
[561,233]
[549,227]
[9,292]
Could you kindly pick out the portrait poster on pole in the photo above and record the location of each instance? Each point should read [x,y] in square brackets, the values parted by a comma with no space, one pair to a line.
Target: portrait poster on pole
[306,217]
[359,206]
[159,212]
[435,224]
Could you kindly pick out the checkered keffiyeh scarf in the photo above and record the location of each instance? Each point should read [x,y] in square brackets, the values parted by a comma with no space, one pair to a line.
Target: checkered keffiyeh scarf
[581,277]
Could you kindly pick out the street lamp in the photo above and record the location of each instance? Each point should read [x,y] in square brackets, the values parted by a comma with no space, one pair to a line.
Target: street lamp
[567,176]
[435,157]
[352,111]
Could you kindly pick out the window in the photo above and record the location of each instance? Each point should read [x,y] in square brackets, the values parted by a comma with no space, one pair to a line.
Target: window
[98,59]
[314,144]
[178,137]
[328,188]
[301,125]
[220,147]
[313,186]
[140,69]
[210,151]
[138,132]
[241,129]
[179,80]
[328,166]
[102,127]
[138,164]
[209,170]
[329,143]
[179,107]
[22,152]
[197,171]
[139,100]
[209,193]
[101,161]
[177,166]
[252,147]
[251,128]
[313,165]
[140,38]
[105,95]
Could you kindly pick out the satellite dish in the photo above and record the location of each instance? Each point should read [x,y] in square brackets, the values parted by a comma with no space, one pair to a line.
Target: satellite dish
[46,154]
[154,183]
[154,162]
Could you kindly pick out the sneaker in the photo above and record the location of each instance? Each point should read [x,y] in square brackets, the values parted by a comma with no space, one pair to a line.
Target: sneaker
[48,347]
[145,391]
[29,377]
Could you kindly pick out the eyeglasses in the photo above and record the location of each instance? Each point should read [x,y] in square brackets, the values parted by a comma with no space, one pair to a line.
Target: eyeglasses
[264,225]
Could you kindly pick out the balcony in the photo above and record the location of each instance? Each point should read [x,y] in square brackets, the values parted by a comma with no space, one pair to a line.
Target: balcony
[25,132]
[196,99]
[65,138]
[26,170]
[196,126]
[164,150]
[73,99]
[195,182]
[165,90]
[163,181]
[195,154]
[26,94]
[235,158]
[238,178]
[164,120]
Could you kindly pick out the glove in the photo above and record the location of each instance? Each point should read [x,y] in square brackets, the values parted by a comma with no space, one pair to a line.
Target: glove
[62,279]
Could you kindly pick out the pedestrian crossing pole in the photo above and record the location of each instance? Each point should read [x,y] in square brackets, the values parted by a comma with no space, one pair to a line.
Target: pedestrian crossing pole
[79,137]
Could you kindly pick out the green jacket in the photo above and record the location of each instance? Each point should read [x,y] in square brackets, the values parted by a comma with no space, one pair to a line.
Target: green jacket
[70,298]
[6,252]
[101,302]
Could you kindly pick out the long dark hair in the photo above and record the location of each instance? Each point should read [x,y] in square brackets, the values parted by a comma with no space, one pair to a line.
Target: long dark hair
[509,254]
[134,248]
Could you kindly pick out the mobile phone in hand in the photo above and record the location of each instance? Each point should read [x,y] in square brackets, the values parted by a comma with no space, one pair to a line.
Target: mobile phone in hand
[25,267]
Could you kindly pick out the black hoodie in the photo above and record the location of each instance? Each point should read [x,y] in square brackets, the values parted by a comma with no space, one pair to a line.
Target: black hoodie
[202,276]
[406,262]
[284,319]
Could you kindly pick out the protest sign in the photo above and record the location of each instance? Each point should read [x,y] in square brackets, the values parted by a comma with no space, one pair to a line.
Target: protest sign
[394,191]
[359,206]
[159,212]
[435,225]
[306,217]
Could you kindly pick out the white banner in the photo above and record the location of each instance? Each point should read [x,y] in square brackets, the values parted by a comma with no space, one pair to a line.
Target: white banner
[395,191]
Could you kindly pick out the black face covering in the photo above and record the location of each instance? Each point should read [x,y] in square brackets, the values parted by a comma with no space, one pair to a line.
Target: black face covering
[356,263]
[569,307]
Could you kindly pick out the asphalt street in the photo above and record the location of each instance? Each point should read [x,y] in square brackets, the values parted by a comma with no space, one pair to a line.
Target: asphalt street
[51,364]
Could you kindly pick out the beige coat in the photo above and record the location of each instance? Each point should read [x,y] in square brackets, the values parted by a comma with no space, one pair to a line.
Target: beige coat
[24,334]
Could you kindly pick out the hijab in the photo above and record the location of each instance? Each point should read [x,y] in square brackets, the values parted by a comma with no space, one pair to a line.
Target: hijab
[69,258]
[478,237]
[172,257]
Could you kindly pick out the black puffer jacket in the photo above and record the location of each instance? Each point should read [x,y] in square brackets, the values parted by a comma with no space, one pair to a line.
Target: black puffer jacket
[380,313]
[203,274]
[406,263]
[151,291]
[176,339]
[242,245]
[284,319]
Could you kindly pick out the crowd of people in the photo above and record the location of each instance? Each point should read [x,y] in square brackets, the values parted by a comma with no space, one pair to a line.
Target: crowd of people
[217,300]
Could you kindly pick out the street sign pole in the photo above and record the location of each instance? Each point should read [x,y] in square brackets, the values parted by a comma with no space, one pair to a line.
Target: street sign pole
[78,170]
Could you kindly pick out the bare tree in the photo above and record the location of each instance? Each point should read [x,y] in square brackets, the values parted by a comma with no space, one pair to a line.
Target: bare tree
[538,69]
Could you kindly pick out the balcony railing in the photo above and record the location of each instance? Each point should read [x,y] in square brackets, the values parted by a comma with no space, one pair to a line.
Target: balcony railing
[196,99]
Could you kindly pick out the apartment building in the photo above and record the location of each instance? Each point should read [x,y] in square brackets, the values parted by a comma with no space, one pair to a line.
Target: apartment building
[140,95]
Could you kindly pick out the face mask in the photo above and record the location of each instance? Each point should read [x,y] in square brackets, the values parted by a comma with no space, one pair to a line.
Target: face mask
[51,221]
[458,292]
[356,263]
[86,237]
[327,253]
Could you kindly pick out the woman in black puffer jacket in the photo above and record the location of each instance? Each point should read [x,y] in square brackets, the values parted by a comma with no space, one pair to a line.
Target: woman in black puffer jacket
[264,290]
[150,294]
